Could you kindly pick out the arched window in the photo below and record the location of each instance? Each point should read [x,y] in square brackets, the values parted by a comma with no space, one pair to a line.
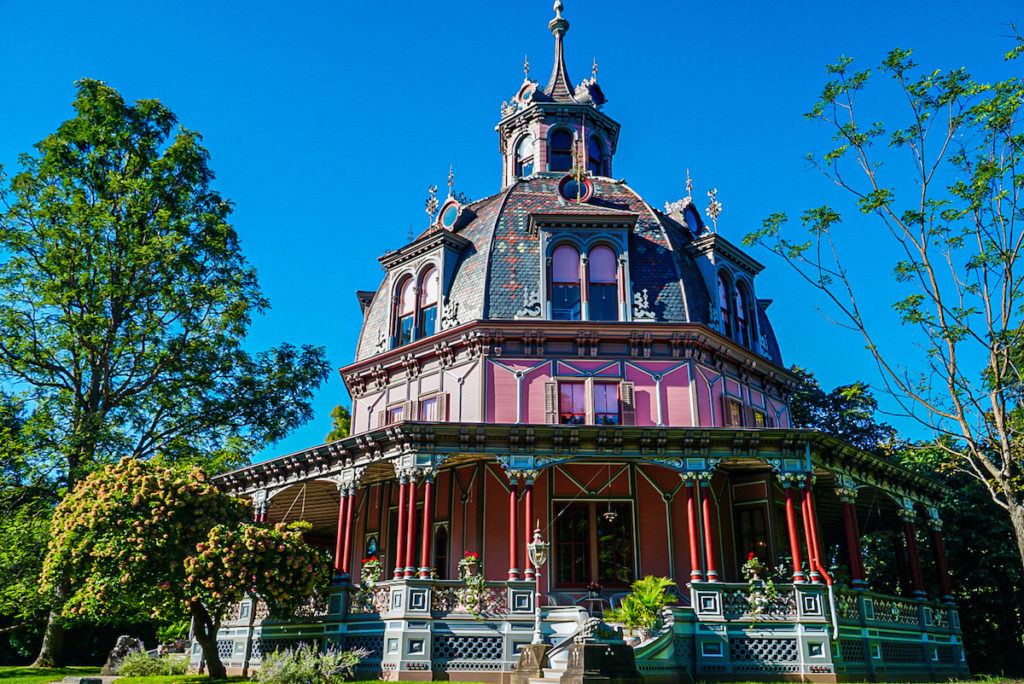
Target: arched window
[724,305]
[428,303]
[594,156]
[565,284]
[560,151]
[742,307]
[603,285]
[406,311]
[524,157]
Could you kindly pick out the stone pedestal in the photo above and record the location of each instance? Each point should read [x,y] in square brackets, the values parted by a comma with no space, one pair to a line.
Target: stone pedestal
[533,658]
[601,662]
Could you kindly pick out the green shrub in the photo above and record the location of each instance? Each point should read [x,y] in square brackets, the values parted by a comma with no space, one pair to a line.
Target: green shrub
[139,664]
[306,665]
[641,609]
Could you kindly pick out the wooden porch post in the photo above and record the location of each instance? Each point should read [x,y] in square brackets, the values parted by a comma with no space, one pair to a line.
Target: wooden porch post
[428,524]
[400,537]
[709,546]
[690,494]
[907,514]
[528,518]
[794,536]
[941,566]
[339,543]
[805,510]
[513,532]
[346,558]
[847,494]
[410,530]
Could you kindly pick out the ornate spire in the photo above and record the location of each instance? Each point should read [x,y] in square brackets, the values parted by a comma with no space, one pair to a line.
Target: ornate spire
[526,68]
[451,180]
[559,88]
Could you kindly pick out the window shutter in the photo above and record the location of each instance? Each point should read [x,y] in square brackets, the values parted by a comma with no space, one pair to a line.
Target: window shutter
[727,406]
[551,403]
[442,406]
[748,416]
[382,418]
[627,397]
[410,410]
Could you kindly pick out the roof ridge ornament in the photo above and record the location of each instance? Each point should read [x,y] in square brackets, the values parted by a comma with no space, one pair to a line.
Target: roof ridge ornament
[559,86]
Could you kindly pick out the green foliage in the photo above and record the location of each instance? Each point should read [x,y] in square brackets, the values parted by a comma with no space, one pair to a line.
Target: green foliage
[140,664]
[341,423]
[306,665]
[641,609]
[143,540]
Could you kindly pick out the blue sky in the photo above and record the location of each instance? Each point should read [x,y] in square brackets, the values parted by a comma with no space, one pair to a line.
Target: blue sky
[327,121]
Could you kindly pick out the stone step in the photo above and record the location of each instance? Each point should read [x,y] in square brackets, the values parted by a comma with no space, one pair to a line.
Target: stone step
[553,672]
[544,680]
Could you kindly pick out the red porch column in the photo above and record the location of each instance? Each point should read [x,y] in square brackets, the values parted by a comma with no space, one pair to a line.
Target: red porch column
[941,566]
[805,511]
[907,514]
[819,548]
[709,546]
[794,536]
[847,495]
[428,524]
[528,518]
[410,530]
[400,537]
[350,509]
[342,534]
[690,496]
[513,533]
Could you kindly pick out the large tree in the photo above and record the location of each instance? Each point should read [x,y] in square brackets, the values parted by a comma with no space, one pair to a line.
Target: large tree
[956,226]
[148,541]
[124,303]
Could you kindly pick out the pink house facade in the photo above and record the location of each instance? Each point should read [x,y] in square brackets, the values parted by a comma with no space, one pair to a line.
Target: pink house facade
[562,356]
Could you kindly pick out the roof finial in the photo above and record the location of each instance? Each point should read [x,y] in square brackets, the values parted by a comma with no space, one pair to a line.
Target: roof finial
[559,87]
[431,204]
[526,68]
[714,208]
[593,69]
[451,179]
[558,9]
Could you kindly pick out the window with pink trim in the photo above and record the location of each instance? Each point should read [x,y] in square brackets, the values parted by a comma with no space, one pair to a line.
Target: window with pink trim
[572,403]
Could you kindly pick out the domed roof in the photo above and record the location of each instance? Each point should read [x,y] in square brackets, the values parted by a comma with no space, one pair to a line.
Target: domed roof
[499,266]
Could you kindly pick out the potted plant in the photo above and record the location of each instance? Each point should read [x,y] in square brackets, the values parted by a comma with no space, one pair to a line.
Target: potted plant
[761,593]
[640,610]
[473,593]
[594,589]
[470,563]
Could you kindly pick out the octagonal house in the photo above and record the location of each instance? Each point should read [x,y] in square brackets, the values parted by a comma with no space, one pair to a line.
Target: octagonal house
[562,356]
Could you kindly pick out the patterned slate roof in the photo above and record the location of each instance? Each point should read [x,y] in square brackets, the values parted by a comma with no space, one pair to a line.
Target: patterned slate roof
[502,263]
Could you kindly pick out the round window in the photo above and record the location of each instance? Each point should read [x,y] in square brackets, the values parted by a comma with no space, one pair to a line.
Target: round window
[575,190]
[450,214]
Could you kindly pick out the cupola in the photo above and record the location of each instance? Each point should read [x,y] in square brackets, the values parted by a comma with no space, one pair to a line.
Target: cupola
[546,130]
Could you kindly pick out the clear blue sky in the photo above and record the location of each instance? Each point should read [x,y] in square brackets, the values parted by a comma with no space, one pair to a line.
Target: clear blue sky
[326,122]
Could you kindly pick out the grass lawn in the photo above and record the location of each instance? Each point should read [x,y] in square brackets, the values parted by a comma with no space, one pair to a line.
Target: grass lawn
[31,675]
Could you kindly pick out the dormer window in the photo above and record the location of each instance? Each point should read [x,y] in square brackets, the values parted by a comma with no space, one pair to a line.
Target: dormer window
[565,284]
[560,151]
[524,157]
[595,154]
[428,303]
[603,285]
[406,318]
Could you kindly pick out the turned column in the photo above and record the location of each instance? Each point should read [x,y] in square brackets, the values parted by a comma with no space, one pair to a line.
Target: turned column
[709,546]
[350,509]
[428,525]
[847,494]
[690,501]
[794,535]
[939,546]
[410,530]
[528,521]
[342,534]
[513,532]
[907,515]
[805,512]
[400,536]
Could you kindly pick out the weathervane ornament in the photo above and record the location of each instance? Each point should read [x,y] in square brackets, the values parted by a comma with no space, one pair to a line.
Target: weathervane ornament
[714,208]
[451,179]
[432,202]
[526,68]
[593,69]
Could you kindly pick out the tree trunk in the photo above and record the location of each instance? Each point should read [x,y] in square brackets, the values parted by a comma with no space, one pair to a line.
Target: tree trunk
[51,653]
[1017,518]
[206,634]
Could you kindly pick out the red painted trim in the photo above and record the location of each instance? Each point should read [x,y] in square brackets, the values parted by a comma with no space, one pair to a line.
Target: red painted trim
[350,509]
[916,578]
[852,542]
[709,548]
[794,537]
[410,531]
[339,543]
[527,528]
[818,550]
[805,514]
[513,531]
[428,528]
[691,523]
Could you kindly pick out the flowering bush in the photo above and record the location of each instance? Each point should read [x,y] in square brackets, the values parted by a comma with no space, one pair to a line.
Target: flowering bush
[145,541]
[761,591]
[472,595]
[139,664]
[307,665]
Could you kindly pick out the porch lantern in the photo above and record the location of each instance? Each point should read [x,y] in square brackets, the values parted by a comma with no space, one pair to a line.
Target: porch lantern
[538,550]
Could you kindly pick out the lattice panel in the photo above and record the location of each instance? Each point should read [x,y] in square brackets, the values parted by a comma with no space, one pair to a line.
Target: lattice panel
[735,603]
[449,649]
[898,652]
[946,654]
[852,650]
[225,647]
[374,643]
[262,646]
[763,650]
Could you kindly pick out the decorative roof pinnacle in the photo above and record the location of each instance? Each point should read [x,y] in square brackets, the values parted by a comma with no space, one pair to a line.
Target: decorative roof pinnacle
[593,69]
[451,180]
[559,86]
[431,204]
[526,69]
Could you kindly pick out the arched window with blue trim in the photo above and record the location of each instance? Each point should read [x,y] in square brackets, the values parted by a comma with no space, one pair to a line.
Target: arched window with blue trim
[560,151]
[603,285]
[565,284]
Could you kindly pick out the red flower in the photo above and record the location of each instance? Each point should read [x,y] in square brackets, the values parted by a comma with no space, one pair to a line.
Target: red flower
[751,556]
